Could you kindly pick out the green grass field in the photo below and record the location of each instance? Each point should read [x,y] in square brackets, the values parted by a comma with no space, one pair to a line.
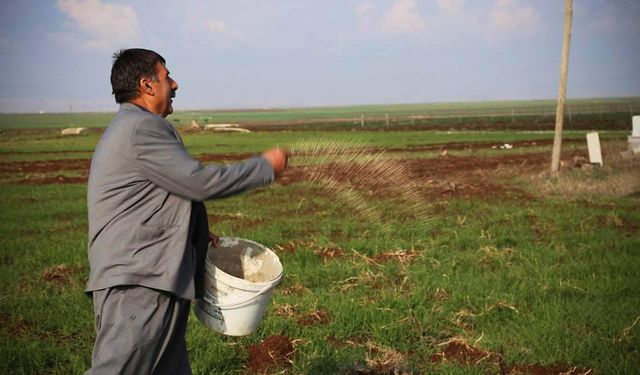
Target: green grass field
[533,270]
[375,115]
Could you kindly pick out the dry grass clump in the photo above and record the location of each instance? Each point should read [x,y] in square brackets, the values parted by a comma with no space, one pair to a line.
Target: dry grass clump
[296,289]
[626,333]
[493,257]
[287,310]
[618,177]
[385,360]
[401,256]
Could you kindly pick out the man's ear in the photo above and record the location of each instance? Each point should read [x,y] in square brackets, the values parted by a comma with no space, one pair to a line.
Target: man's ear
[145,86]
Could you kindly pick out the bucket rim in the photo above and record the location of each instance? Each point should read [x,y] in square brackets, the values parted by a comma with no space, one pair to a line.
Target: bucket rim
[238,280]
[240,283]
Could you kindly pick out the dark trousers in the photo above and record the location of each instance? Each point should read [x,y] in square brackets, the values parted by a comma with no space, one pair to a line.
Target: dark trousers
[139,331]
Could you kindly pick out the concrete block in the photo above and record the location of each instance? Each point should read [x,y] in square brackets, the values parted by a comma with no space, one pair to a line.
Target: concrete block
[73,131]
[195,126]
[593,143]
[226,128]
[634,145]
[636,126]
[220,126]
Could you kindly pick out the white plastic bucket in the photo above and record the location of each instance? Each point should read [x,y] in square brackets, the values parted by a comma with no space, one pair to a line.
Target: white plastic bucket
[239,280]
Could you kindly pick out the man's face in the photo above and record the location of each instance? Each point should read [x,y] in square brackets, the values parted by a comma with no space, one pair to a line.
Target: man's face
[165,89]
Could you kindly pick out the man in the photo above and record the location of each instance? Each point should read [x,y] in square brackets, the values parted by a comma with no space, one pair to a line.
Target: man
[148,229]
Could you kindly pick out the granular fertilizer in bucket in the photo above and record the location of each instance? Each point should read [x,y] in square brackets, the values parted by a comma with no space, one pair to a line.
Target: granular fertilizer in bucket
[239,280]
[240,259]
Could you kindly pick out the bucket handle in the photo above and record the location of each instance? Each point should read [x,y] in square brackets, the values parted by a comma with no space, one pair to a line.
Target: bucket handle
[242,303]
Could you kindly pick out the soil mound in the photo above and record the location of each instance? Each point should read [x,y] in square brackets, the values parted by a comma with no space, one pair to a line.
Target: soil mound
[273,353]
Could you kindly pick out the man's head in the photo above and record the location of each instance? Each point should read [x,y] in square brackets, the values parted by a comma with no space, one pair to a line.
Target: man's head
[140,76]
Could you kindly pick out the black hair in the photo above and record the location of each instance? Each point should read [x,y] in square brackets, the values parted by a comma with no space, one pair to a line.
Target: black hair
[129,65]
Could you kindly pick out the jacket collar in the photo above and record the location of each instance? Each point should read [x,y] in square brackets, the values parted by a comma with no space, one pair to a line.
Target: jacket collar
[130,106]
[134,107]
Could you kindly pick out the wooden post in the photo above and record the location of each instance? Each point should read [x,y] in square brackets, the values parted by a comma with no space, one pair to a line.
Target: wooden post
[387,116]
[562,92]
[362,120]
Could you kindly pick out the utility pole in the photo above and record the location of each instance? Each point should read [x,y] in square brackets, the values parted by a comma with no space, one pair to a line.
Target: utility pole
[562,92]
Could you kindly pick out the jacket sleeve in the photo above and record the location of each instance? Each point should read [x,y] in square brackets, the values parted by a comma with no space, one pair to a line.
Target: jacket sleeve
[161,158]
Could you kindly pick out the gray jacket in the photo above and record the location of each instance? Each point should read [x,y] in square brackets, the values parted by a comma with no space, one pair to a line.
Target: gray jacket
[147,223]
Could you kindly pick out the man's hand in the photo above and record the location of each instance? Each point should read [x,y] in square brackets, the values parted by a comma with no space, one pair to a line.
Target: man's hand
[214,240]
[278,159]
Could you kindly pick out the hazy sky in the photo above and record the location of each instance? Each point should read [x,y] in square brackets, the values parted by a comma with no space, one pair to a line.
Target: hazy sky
[56,55]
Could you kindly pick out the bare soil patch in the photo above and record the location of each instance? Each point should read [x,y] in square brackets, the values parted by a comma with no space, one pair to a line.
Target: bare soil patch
[296,289]
[288,248]
[457,351]
[454,176]
[59,179]
[14,326]
[313,318]
[45,166]
[275,352]
[287,310]
[58,165]
[211,157]
[477,145]
[380,360]
[328,253]
[39,172]
[441,177]
[61,275]
[325,252]
[349,341]
[426,123]
[17,327]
